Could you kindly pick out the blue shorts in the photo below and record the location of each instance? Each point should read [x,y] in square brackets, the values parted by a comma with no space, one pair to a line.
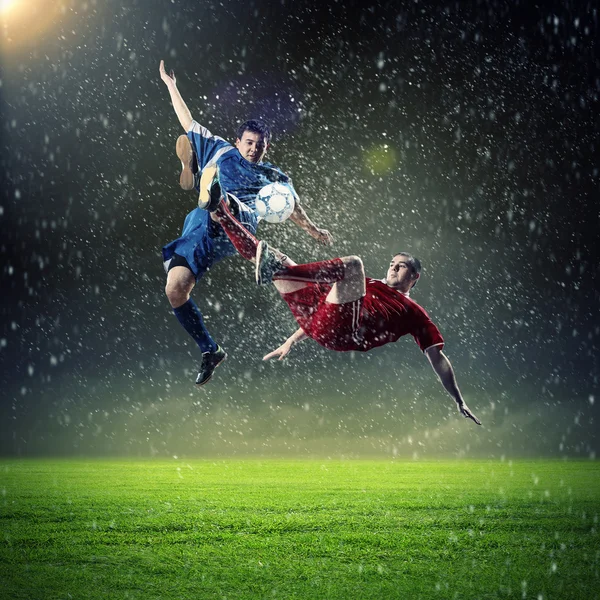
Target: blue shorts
[203,242]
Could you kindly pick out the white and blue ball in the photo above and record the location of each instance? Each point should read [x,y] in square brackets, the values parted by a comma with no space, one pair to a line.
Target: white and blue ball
[275,202]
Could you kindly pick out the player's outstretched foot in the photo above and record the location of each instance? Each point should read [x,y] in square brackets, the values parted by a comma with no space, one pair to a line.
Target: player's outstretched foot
[189,164]
[267,264]
[210,189]
[210,361]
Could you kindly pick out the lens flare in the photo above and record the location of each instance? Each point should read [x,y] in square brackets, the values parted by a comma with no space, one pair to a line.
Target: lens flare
[23,22]
[380,159]
[6,4]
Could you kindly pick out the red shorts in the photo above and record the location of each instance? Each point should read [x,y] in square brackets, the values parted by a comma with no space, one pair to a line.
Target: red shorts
[334,326]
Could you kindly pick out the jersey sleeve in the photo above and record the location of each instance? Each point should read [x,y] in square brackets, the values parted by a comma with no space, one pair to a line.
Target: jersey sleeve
[208,147]
[425,332]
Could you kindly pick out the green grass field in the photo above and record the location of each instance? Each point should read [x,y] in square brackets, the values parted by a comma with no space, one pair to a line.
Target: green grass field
[299,529]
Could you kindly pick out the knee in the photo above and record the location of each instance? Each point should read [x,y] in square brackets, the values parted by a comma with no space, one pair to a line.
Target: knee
[354,265]
[177,293]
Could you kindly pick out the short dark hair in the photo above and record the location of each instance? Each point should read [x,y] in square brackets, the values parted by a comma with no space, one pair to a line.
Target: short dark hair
[255,126]
[413,262]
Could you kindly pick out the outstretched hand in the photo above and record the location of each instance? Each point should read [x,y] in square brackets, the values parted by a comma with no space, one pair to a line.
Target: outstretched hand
[465,411]
[281,352]
[168,78]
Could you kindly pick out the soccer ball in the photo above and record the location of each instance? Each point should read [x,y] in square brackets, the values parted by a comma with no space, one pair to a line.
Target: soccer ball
[275,202]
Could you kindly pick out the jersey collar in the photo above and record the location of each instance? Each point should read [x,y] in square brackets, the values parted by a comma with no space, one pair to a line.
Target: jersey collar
[407,294]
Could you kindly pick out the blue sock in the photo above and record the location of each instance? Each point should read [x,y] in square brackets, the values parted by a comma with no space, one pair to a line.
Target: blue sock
[190,317]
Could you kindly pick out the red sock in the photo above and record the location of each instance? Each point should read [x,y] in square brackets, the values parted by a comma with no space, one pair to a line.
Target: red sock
[244,242]
[326,271]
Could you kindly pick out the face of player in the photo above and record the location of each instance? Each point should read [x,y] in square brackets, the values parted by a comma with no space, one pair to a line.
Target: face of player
[252,146]
[400,275]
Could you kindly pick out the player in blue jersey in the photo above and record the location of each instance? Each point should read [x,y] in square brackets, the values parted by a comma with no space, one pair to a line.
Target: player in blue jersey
[241,173]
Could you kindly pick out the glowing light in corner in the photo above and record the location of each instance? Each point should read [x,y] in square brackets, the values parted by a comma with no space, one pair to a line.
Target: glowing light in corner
[6,4]
[23,23]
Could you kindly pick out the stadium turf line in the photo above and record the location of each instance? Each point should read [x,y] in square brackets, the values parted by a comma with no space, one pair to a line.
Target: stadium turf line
[322,529]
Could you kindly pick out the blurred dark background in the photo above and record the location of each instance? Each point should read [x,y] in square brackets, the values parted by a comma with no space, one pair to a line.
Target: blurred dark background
[468,136]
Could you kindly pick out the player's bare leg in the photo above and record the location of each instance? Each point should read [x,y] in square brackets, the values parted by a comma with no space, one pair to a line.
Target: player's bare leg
[210,190]
[180,283]
[352,286]
[189,165]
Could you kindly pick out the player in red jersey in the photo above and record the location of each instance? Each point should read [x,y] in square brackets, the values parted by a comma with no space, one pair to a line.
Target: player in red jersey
[340,308]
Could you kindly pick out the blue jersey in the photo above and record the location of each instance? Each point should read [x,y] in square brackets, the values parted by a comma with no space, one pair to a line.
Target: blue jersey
[237,175]
[202,242]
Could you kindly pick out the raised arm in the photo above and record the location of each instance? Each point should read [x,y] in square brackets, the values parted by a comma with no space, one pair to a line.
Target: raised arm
[303,221]
[181,109]
[285,348]
[441,365]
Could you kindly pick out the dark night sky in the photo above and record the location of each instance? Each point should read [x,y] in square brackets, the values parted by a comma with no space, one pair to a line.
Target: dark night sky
[490,118]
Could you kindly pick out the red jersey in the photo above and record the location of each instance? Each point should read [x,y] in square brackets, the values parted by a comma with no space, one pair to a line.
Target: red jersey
[381,316]
[388,315]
